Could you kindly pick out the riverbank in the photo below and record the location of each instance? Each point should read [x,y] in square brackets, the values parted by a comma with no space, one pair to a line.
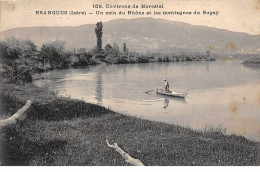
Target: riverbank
[253,61]
[63,131]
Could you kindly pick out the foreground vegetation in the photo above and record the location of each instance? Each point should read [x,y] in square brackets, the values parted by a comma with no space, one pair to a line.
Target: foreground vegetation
[253,61]
[63,131]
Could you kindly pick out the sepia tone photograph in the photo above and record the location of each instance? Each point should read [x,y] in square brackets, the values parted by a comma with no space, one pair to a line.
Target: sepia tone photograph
[129,83]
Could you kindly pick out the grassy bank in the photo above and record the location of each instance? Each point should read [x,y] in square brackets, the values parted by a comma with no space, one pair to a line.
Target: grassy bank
[63,131]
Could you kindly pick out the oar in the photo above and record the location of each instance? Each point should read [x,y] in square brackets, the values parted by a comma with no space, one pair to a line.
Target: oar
[149,91]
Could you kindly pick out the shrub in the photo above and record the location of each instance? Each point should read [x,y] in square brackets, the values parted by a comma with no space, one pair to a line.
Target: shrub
[166,59]
[54,54]
[17,58]
[13,48]
[142,59]
[121,60]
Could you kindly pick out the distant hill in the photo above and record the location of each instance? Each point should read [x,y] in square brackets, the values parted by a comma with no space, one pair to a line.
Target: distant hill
[144,34]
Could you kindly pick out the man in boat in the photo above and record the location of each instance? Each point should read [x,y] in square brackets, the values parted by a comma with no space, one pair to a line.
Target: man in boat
[166,86]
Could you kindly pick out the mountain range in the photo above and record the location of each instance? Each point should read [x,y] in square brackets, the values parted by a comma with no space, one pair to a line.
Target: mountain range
[144,35]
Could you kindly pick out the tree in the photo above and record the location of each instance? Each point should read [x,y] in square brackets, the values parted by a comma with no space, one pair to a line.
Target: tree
[116,48]
[54,54]
[99,33]
[208,54]
[13,48]
[124,48]
[17,59]
[82,50]
[108,49]
[93,51]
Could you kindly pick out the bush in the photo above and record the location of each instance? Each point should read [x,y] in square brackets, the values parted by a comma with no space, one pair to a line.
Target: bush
[17,74]
[253,60]
[17,58]
[13,48]
[54,54]
[166,59]
[80,62]
[121,60]
[142,59]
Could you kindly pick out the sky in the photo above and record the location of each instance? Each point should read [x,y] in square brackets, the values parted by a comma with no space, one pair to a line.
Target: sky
[233,15]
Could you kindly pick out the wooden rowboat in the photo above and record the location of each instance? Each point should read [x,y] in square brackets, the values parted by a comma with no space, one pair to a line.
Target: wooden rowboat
[170,93]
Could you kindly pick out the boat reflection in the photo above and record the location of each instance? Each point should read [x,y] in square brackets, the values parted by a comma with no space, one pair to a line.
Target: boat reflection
[167,100]
[166,103]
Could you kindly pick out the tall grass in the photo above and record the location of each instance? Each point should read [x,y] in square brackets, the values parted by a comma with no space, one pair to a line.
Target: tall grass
[209,129]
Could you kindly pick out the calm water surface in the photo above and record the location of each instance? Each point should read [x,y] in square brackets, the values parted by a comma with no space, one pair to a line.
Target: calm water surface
[221,93]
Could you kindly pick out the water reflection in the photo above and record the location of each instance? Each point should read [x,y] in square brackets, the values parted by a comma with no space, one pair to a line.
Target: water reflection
[167,99]
[166,103]
[207,66]
[219,94]
[99,86]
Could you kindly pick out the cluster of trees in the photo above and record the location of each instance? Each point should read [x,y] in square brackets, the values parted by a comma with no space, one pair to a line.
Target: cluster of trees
[16,57]
[12,49]
[20,57]
[81,58]
[111,54]
[54,55]
[182,57]
[253,59]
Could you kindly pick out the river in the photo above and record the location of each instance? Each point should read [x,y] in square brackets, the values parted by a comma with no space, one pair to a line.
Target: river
[223,93]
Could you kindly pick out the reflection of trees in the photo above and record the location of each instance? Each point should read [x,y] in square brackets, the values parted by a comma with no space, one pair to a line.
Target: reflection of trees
[124,71]
[207,66]
[99,87]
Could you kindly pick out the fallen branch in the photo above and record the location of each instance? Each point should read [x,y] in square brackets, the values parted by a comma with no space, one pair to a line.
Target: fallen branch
[128,158]
[15,116]
[20,74]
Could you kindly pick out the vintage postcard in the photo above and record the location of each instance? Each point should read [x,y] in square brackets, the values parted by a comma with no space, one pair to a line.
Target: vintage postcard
[130,83]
